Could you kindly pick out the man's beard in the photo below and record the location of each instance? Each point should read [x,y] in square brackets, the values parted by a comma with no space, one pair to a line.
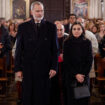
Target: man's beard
[37,18]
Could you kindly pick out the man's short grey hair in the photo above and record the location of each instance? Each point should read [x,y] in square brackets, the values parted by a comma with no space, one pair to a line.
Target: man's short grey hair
[36,3]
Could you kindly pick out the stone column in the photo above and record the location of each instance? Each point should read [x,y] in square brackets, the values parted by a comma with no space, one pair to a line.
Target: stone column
[96,9]
[91,9]
[5,9]
[104,10]
[8,10]
[99,9]
[0,8]
[27,8]
[71,7]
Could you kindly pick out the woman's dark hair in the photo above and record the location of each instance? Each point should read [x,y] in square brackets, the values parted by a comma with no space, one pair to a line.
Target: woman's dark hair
[11,25]
[71,34]
[96,28]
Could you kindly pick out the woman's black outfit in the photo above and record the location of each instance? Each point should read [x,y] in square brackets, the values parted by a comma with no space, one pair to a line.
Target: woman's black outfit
[102,50]
[13,39]
[77,60]
[101,46]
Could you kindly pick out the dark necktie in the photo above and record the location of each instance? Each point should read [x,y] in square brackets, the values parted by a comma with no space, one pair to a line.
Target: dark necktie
[37,26]
[37,30]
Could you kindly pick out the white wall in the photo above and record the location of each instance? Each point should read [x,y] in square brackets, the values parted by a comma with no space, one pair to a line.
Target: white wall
[104,10]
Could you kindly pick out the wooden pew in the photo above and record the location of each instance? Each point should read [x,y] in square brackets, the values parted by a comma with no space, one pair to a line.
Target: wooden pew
[97,61]
[9,71]
[3,77]
[101,76]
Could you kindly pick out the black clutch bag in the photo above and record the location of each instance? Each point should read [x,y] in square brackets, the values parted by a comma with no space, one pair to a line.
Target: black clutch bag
[81,91]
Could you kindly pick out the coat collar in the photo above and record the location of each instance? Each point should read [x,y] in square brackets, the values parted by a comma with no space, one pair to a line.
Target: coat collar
[43,27]
[33,22]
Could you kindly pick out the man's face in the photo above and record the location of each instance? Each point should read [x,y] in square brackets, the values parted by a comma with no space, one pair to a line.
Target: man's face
[38,12]
[60,30]
[72,19]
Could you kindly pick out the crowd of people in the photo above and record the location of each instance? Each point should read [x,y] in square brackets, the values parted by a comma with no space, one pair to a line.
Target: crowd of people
[50,56]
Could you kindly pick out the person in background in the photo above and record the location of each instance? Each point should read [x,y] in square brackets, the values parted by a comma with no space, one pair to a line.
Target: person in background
[12,33]
[100,34]
[102,46]
[57,96]
[71,20]
[89,25]
[94,29]
[102,54]
[65,21]
[89,35]
[5,45]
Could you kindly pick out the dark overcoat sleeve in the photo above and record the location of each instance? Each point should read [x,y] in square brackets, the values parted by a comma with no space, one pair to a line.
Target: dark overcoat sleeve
[54,49]
[19,50]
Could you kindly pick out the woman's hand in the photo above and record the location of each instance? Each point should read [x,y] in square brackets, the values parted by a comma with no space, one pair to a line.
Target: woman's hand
[80,78]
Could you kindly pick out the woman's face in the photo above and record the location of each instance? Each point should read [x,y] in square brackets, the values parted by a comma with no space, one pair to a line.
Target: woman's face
[77,31]
[94,29]
[91,25]
[12,26]
[102,27]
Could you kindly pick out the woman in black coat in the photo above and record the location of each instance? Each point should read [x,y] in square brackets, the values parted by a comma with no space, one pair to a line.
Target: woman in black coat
[102,47]
[77,61]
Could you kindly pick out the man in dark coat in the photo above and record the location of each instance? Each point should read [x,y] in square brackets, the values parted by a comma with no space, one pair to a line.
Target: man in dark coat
[36,57]
[71,20]
[5,45]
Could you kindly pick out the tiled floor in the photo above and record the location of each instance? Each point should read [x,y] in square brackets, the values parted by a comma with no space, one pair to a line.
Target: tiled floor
[11,98]
[97,98]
